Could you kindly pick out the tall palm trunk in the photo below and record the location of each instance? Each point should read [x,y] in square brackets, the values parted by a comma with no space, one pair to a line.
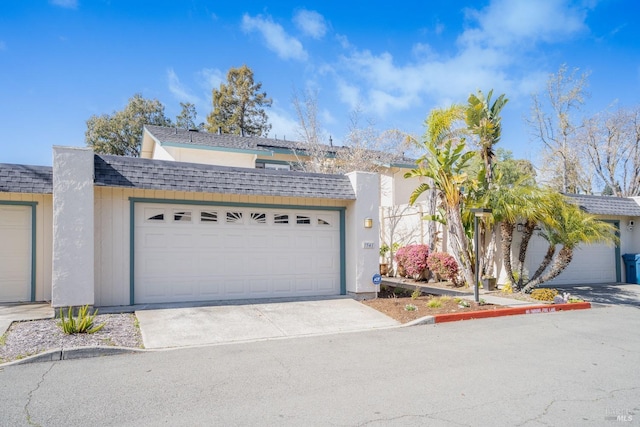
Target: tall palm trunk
[529,228]
[489,256]
[460,243]
[506,231]
[551,250]
[559,264]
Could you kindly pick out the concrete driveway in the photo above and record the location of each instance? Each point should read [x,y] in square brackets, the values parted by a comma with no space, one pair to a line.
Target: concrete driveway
[253,321]
[606,293]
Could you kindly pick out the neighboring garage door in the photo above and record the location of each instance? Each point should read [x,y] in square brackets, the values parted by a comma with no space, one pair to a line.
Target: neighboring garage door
[200,253]
[15,253]
[591,264]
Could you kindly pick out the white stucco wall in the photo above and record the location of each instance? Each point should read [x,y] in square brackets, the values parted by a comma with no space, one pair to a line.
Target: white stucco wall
[72,268]
[44,239]
[363,262]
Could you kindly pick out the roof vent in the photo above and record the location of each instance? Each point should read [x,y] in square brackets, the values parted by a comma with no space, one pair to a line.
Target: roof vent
[193,130]
[330,141]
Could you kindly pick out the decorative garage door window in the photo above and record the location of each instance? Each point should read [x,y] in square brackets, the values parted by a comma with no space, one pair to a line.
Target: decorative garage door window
[234,217]
[280,218]
[209,216]
[303,219]
[182,216]
[323,221]
[154,214]
[258,218]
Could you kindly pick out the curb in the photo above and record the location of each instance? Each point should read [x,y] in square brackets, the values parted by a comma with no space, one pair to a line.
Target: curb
[510,311]
[73,353]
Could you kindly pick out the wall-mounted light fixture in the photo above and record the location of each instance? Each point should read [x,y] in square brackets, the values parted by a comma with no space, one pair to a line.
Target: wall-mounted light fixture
[368,222]
[520,228]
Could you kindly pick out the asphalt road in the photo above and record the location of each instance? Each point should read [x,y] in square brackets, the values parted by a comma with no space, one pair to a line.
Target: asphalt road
[569,368]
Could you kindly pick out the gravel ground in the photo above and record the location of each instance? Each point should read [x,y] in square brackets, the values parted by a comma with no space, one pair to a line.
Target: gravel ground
[32,337]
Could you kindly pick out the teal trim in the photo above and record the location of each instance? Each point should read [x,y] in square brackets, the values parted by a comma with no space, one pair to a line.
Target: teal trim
[134,200]
[404,165]
[300,152]
[616,224]
[210,148]
[32,291]
[343,254]
[274,162]
[132,252]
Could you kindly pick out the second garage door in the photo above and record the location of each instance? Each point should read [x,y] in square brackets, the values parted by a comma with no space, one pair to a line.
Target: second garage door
[591,264]
[15,253]
[199,253]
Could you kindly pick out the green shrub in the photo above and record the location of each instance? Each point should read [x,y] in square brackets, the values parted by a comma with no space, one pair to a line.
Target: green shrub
[544,294]
[83,324]
[410,307]
[416,293]
[434,303]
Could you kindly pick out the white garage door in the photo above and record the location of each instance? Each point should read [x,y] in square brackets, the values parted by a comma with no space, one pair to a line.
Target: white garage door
[200,253]
[591,264]
[15,253]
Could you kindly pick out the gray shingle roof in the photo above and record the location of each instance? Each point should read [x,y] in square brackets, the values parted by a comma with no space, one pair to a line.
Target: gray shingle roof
[26,179]
[606,205]
[117,171]
[167,135]
[204,139]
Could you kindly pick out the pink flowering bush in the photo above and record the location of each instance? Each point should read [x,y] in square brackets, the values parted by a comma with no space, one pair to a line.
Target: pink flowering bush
[413,259]
[443,264]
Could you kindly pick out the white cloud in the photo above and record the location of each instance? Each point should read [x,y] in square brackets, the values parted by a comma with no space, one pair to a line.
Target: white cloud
[277,40]
[343,40]
[178,90]
[211,78]
[512,22]
[68,4]
[492,54]
[349,93]
[311,23]
[283,126]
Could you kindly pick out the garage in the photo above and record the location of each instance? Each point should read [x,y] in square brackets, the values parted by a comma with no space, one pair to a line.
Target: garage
[15,253]
[200,252]
[591,264]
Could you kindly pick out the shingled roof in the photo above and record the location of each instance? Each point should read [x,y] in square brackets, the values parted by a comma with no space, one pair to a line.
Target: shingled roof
[168,136]
[26,179]
[606,205]
[130,172]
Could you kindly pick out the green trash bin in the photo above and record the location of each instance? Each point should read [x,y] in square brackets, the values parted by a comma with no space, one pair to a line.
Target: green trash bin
[631,267]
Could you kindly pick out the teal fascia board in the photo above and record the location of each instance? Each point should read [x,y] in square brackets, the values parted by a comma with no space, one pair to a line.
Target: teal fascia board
[32,296]
[134,200]
[223,149]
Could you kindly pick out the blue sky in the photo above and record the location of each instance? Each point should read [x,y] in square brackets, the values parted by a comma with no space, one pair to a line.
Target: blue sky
[62,61]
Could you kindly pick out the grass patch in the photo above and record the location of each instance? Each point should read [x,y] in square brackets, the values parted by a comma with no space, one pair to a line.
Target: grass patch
[434,303]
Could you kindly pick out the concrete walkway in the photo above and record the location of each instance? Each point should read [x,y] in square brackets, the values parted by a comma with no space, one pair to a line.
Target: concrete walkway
[28,311]
[195,326]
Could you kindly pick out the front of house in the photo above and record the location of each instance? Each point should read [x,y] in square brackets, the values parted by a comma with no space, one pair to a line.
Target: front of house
[109,230]
[203,217]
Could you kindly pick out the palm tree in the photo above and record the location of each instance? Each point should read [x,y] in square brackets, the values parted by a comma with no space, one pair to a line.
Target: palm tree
[569,226]
[511,203]
[483,120]
[444,165]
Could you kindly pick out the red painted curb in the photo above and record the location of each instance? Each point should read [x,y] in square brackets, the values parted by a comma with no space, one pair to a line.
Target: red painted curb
[510,311]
